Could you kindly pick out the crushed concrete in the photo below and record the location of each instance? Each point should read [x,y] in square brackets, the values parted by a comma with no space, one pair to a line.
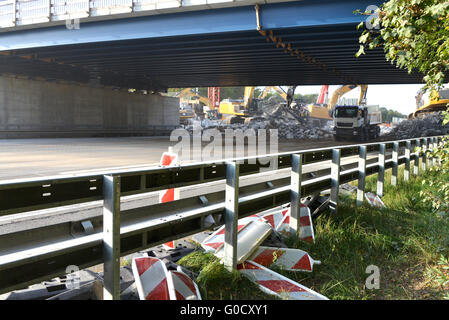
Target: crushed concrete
[427,125]
[291,123]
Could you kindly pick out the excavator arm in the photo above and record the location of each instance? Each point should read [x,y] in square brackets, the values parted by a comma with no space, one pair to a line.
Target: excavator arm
[277,89]
[187,92]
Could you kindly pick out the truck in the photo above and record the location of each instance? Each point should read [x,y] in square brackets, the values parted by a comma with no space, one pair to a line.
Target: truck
[356,122]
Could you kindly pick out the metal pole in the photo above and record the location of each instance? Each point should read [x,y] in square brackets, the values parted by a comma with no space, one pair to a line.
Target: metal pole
[381,174]
[111,237]
[394,169]
[335,180]
[434,147]
[231,215]
[362,175]
[416,162]
[425,147]
[295,193]
[408,145]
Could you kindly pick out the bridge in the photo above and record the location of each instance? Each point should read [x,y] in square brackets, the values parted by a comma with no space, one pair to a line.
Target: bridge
[157,44]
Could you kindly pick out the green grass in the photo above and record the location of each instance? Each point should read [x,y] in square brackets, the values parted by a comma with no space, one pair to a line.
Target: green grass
[406,241]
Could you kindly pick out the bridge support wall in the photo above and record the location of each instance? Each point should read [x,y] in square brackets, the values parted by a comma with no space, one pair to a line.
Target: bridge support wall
[32,108]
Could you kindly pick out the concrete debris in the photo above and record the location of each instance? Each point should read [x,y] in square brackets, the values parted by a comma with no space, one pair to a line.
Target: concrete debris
[273,114]
[426,125]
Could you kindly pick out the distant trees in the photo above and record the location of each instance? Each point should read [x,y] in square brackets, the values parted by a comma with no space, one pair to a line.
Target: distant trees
[387,114]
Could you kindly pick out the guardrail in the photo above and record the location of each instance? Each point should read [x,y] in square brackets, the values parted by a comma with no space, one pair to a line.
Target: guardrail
[17,13]
[47,254]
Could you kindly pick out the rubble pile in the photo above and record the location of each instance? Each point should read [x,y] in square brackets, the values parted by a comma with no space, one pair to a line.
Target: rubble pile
[427,125]
[273,114]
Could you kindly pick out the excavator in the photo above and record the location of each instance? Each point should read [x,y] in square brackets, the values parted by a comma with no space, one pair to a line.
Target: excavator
[321,111]
[192,107]
[238,110]
[265,92]
[438,102]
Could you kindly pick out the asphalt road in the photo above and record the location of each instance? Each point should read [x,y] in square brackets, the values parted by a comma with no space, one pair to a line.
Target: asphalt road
[22,158]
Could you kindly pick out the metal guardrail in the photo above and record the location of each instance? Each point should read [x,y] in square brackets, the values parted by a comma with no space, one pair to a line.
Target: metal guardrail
[17,13]
[132,230]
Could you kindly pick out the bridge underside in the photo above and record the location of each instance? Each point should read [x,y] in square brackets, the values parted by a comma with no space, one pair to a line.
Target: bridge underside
[291,49]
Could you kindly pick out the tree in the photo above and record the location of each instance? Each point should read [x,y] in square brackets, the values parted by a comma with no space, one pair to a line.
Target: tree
[387,114]
[414,35]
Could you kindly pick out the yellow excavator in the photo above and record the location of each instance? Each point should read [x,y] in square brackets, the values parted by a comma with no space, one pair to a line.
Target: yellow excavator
[265,92]
[238,110]
[438,102]
[322,109]
[191,105]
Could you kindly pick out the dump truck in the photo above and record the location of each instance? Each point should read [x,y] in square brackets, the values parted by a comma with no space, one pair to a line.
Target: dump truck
[356,122]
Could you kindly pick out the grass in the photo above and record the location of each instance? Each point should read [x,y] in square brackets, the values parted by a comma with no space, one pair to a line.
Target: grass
[408,242]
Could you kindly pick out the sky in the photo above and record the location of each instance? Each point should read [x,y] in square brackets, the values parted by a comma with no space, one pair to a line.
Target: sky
[395,97]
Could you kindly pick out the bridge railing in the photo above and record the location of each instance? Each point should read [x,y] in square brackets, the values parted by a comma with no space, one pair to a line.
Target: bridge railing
[45,251]
[14,13]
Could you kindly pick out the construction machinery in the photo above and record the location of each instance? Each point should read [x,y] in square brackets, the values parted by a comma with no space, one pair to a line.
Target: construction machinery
[321,111]
[267,90]
[239,110]
[191,105]
[356,122]
[438,102]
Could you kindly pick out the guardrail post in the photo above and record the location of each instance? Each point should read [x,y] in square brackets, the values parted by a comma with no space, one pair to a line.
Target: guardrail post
[335,180]
[231,215]
[408,145]
[295,193]
[394,169]
[434,147]
[362,175]
[416,158]
[381,174]
[425,147]
[111,237]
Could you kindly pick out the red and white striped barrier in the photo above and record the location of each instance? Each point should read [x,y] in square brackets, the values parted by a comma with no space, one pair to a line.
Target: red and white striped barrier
[154,282]
[276,284]
[374,200]
[184,288]
[306,232]
[216,240]
[276,219]
[249,239]
[152,279]
[169,159]
[284,258]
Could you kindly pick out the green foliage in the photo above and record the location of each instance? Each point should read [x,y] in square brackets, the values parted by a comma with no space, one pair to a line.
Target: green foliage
[414,35]
[437,195]
[306,98]
[440,273]
[387,115]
